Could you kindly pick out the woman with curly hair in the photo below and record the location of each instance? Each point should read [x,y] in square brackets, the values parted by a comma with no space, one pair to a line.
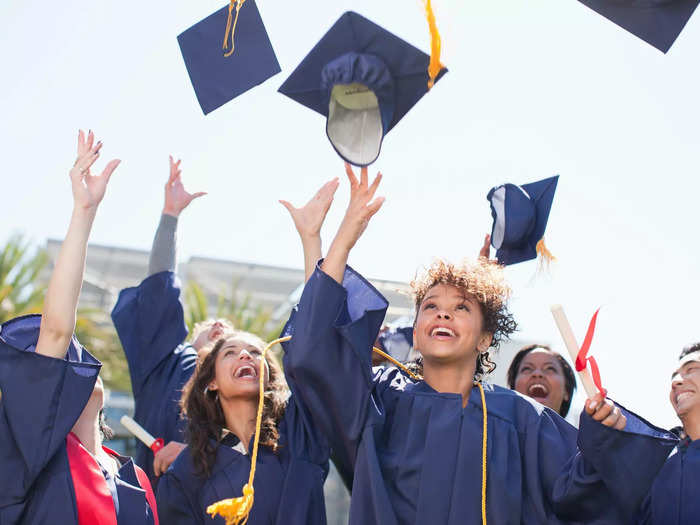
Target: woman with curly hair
[539,372]
[441,446]
[220,403]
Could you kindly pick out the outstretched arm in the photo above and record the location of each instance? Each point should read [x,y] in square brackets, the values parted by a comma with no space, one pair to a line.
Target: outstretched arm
[360,210]
[308,221]
[163,253]
[61,302]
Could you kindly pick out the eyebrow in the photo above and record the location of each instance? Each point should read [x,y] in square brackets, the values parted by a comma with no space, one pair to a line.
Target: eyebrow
[464,298]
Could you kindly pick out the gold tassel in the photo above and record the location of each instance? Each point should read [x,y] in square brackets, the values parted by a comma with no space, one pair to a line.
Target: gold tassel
[545,257]
[435,66]
[231,30]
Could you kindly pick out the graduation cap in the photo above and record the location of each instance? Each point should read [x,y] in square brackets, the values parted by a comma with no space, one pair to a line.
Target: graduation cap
[658,22]
[363,79]
[520,216]
[397,341]
[227,54]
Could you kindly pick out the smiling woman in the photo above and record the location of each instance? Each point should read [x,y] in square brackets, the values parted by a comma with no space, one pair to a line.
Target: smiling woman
[220,402]
[544,375]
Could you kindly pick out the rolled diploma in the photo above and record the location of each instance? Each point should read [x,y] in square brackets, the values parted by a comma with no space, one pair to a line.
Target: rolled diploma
[138,431]
[572,346]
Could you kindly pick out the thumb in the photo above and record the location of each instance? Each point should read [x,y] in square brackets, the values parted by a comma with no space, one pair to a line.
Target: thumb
[199,194]
[287,205]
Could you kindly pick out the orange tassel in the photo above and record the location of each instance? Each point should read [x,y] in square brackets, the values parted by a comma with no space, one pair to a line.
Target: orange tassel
[544,255]
[231,26]
[435,66]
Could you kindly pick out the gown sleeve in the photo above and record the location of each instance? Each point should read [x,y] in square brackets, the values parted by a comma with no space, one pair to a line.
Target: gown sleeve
[150,323]
[42,398]
[174,506]
[602,478]
[328,362]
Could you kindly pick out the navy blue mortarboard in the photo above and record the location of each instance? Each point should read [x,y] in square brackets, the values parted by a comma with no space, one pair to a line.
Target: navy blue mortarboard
[658,22]
[397,341]
[364,80]
[239,33]
[520,216]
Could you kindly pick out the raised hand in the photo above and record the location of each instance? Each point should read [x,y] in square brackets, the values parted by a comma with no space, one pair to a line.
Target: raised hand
[604,411]
[486,248]
[309,218]
[89,189]
[177,198]
[361,208]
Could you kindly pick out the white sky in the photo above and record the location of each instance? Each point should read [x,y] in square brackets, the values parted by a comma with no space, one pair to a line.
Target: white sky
[535,88]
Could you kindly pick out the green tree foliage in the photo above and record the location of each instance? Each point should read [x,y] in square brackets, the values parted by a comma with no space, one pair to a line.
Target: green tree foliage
[241,313]
[23,287]
[21,290]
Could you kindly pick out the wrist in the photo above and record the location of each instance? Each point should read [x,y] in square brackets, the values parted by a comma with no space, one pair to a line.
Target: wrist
[84,212]
[169,210]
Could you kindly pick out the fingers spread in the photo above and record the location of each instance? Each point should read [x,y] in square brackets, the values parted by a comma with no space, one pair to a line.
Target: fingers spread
[351,175]
[110,167]
[363,177]
[375,185]
[373,207]
[81,144]
[287,205]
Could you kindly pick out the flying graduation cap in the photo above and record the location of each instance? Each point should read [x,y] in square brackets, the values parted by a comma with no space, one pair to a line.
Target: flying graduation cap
[520,216]
[227,54]
[658,22]
[363,79]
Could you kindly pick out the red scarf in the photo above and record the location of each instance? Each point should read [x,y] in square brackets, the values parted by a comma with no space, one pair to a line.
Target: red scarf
[93,499]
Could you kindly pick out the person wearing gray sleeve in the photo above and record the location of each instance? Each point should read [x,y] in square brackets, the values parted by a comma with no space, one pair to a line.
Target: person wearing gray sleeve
[150,321]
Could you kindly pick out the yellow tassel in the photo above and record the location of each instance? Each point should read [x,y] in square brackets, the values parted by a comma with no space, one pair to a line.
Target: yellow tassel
[545,257]
[484,442]
[397,363]
[435,66]
[236,510]
[231,28]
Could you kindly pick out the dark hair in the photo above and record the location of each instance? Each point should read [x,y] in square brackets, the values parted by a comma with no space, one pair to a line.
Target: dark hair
[569,377]
[695,347]
[106,432]
[205,418]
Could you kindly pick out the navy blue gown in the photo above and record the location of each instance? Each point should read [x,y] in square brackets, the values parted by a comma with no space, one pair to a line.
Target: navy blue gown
[417,453]
[288,484]
[674,498]
[40,469]
[151,325]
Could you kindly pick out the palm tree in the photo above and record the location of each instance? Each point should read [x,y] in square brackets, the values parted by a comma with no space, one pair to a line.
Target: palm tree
[242,314]
[21,291]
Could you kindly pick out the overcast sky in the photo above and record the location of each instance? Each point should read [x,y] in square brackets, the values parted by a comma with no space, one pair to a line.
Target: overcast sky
[535,88]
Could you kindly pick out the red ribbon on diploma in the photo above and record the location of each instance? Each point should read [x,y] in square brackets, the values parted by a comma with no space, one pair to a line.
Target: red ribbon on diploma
[157,444]
[582,360]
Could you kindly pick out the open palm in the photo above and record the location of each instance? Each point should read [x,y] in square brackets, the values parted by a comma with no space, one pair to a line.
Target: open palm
[309,218]
[177,198]
[89,189]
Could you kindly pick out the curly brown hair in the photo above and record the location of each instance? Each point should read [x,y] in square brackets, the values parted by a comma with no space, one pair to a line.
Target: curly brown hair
[205,418]
[485,281]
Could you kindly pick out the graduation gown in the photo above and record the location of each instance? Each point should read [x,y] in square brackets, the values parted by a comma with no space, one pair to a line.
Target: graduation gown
[288,484]
[47,476]
[150,323]
[674,497]
[417,453]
